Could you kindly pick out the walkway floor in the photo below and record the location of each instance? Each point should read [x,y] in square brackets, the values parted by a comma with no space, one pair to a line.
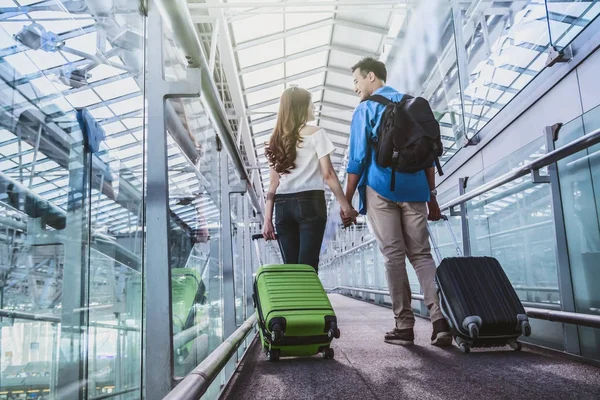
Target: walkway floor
[367,368]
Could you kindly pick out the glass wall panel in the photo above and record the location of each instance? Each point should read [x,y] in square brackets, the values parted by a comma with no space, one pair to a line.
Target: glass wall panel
[579,185]
[424,63]
[504,50]
[514,223]
[70,212]
[567,18]
[194,235]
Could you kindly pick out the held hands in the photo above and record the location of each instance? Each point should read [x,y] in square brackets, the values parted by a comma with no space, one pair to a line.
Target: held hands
[268,230]
[348,215]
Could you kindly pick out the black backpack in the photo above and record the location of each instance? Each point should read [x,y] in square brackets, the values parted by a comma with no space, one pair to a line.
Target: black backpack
[408,138]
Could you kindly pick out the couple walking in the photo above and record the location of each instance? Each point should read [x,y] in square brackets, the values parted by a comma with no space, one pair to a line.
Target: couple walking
[299,158]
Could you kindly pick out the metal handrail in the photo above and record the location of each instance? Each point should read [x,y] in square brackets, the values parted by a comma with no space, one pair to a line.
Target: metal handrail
[12,314]
[114,394]
[197,382]
[551,312]
[176,15]
[550,158]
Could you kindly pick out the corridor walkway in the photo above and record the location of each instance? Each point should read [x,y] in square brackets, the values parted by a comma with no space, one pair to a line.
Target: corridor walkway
[366,368]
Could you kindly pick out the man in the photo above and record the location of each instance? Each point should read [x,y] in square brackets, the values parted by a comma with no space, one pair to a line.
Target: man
[398,218]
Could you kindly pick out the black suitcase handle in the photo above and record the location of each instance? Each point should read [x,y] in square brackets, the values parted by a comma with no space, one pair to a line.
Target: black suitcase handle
[436,249]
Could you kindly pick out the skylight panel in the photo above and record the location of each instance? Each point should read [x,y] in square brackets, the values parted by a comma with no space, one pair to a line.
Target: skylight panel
[126,106]
[264,75]
[117,89]
[261,53]
[309,81]
[132,123]
[47,87]
[83,98]
[120,141]
[296,20]
[265,126]
[306,63]
[113,128]
[6,39]
[102,112]
[45,60]
[308,40]
[7,164]
[104,71]
[265,95]
[257,26]
[132,151]
[59,103]
[22,64]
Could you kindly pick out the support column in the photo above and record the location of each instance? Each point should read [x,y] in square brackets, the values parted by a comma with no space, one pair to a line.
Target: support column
[158,339]
[72,383]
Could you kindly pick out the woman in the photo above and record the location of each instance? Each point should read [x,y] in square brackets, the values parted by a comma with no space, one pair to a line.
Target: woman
[299,162]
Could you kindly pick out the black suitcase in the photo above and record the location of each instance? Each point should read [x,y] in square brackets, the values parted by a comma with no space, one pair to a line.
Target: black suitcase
[478,301]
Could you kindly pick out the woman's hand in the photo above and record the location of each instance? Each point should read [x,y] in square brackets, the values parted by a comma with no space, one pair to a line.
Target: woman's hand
[348,214]
[268,230]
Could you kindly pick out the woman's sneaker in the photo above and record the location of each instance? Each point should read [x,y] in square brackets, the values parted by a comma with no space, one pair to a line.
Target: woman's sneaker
[403,337]
[441,335]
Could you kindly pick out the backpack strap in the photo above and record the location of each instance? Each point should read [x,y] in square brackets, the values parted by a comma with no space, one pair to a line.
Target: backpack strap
[379,99]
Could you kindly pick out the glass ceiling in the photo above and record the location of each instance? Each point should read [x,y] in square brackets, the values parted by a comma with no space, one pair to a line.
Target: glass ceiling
[314,46]
[54,58]
[310,45]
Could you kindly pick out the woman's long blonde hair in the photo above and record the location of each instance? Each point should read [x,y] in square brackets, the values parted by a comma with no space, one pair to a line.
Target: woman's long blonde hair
[292,116]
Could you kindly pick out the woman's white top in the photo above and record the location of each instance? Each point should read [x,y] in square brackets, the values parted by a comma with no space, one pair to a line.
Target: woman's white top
[307,175]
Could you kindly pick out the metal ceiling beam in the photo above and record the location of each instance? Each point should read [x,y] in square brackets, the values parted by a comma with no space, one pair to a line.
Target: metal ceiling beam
[285,80]
[270,102]
[301,75]
[334,120]
[290,32]
[335,106]
[362,27]
[308,28]
[306,53]
[294,4]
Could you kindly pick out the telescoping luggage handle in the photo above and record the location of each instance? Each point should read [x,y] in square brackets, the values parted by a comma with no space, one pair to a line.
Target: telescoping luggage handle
[436,249]
[255,239]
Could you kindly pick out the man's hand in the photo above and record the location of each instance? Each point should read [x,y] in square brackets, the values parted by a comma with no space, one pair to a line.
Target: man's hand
[434,210]
[348,216]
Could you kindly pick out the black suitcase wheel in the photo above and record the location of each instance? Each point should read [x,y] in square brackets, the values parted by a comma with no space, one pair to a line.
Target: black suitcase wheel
[473,331]
[525,328]
[328,353]
[516,346]
[465,348]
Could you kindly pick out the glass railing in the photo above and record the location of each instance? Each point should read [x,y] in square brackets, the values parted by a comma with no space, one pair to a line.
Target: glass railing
[543,228]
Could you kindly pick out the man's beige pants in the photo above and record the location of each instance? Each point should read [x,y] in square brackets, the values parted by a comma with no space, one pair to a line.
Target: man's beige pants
[401,231]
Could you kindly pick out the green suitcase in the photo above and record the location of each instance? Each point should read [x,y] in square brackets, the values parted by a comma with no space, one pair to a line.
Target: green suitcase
[295,317]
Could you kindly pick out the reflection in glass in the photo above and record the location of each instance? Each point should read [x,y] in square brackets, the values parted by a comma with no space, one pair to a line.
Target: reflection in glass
[579,184]
[505,49]
[194,236]
[567,18]
[70,241]
[424,63]
[514,224]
